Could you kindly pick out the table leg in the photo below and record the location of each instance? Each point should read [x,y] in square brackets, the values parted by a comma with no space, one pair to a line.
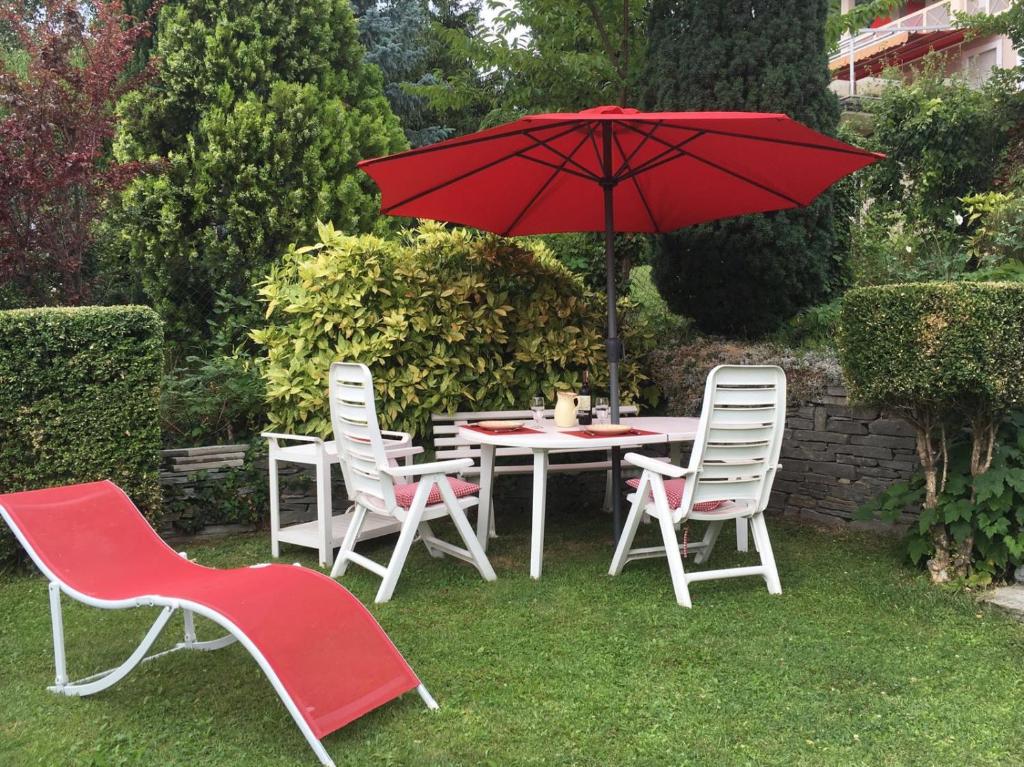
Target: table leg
[540,492]
[616,493]
[484,509]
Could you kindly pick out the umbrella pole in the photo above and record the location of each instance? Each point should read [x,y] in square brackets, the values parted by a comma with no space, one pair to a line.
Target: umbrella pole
[612,343]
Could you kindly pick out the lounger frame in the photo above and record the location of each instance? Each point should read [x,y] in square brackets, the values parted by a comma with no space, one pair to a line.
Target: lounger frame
[103,680]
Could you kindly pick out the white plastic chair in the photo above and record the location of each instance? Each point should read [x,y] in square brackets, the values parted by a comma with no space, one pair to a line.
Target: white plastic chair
[733,464]
[412,494]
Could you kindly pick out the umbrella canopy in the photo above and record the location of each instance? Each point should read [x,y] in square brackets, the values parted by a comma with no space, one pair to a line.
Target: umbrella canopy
[612,169]
[547,173]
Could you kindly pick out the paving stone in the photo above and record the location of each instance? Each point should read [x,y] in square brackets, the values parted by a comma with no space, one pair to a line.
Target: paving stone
[1010,598]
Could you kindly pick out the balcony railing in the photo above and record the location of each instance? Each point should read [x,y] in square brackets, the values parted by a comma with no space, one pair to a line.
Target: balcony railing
[936,17]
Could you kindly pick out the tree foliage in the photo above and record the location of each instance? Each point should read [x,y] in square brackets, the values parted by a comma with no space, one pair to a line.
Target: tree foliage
[447,319]
[549,55]
[396,36]
[58,85]
[260,114]
[747,275]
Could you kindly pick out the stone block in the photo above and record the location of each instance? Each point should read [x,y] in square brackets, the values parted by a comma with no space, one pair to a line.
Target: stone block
[856,460]
[882,440]
[846,426]
[893,427]
[856,413]
[821,435]
[833,469]
[799,423]
[867,451]
[820,419]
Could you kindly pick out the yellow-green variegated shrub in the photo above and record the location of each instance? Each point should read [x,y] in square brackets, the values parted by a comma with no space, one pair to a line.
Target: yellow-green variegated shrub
[446,319]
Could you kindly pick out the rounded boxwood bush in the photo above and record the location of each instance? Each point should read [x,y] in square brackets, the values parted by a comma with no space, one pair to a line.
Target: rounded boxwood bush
[446,319]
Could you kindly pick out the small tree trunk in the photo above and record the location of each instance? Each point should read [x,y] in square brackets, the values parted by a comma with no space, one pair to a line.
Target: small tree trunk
[939,564]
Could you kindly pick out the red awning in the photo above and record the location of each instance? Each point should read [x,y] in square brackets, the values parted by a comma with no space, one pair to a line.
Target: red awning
[918,45]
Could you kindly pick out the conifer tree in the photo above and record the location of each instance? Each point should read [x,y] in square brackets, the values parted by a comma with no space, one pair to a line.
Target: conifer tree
[745,276]
[259,115]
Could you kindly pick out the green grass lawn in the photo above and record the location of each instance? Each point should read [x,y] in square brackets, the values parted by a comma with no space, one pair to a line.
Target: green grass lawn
[858,662]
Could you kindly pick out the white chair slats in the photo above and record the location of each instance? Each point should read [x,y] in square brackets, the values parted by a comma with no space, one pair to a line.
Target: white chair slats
[412,494]
[732,467]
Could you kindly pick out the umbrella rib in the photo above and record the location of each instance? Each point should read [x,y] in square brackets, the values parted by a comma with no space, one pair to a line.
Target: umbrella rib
[468,141]
[586,176]
[462,176]
[789,142]
[684,153]
[566,157]
[627,160]
[636,184]
[662,157]
[542,187]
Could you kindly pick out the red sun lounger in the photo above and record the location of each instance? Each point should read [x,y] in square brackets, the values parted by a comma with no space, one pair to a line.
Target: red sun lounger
[325,655]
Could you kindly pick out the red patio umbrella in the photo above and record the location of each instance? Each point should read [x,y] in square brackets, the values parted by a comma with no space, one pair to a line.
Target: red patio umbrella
[612,169]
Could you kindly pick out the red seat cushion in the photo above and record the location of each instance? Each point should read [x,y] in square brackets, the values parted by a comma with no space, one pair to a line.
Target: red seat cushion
[674,491]
[404,493]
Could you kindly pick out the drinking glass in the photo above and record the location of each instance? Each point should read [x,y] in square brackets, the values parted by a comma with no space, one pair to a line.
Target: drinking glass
[537,406]
[602,410]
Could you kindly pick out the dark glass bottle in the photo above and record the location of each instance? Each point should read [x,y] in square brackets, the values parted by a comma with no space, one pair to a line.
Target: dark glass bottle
[583,414]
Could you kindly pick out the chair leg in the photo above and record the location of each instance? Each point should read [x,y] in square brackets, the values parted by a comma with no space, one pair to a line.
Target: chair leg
[426,533]
[324,510]
[405,538]
[355,526]
[764,546]
[636,513]
[741,534]
[57,624]
[606,504]
[675,561]
[275,509]
[476,551]
[710,538]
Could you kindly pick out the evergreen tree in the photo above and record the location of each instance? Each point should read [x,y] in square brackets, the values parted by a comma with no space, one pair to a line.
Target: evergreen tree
[396,35]
[259,115]
[745,276]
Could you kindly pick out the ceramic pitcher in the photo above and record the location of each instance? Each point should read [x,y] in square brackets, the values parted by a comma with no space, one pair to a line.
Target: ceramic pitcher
[565,409]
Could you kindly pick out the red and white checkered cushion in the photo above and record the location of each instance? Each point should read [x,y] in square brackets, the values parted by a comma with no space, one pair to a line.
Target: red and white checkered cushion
[674,491]
[404,493]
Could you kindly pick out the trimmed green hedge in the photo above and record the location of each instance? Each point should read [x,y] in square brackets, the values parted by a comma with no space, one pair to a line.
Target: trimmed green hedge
[940,345]
[79,400]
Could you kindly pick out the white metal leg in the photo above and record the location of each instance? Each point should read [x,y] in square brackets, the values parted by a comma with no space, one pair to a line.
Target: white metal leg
[57,623]
[540,492]
[484,510]
[741,534]
[190,627]
[324,510]
[427,697]
[275,507]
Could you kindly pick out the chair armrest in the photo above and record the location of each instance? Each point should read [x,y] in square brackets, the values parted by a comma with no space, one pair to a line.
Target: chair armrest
[398,438]
[402,452]
[274,436]
[437,467]
[658,467]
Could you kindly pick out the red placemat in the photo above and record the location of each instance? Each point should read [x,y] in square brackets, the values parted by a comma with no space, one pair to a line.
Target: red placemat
[630,433]
[520,430]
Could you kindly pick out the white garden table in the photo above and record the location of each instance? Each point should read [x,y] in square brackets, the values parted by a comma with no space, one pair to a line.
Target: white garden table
[548,437]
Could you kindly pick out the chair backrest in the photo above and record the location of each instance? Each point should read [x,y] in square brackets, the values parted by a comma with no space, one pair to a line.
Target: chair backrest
[92,538]
[357,434]
[736,451]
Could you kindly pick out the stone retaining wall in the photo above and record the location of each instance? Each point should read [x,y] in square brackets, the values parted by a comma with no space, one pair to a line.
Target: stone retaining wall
[836,457]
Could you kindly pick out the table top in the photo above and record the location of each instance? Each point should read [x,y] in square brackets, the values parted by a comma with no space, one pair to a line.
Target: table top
[551,437]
